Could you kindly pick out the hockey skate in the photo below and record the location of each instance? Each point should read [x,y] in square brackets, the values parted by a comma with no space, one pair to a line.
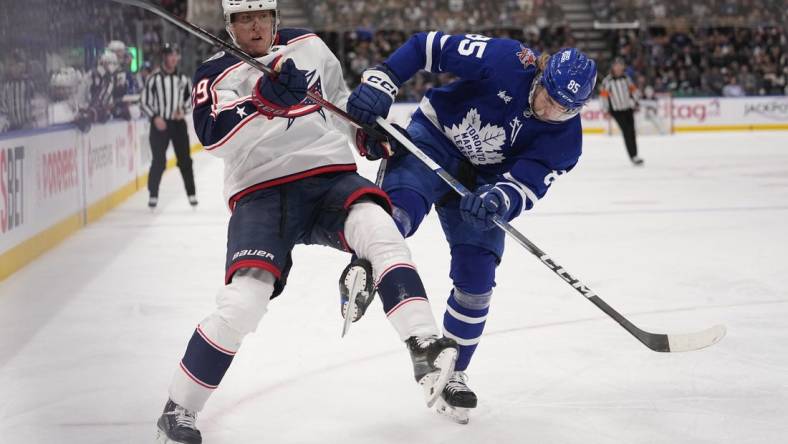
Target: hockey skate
[356,291]
[433,363]
[176,425]
[457,399]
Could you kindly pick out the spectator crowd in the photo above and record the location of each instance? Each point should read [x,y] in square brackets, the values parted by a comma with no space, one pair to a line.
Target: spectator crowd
[70,60]
[364,33]
[698,13]
[707,61]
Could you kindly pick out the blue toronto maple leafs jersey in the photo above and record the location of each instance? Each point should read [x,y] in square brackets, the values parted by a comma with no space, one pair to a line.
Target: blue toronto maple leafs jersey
[486,115]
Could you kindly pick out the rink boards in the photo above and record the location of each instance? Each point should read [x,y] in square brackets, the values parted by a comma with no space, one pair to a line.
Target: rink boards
[684,114]
[54,181]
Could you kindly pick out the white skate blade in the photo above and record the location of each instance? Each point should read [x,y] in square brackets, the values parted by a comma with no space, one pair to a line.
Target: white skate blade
[349,310]
[456,414]
[161,437]
[433,383]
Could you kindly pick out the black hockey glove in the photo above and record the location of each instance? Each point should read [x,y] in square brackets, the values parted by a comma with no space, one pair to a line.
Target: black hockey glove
[374,149]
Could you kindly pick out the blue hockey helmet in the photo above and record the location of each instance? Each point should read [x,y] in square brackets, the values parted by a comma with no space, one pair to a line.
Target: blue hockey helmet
[568,79]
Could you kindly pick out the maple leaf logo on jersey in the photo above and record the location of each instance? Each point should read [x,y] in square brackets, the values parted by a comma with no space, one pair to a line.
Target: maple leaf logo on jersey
[482,145]
[526,56]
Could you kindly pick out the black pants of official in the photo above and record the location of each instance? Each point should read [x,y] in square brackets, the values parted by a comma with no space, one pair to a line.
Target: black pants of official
[159,140]
[626,121]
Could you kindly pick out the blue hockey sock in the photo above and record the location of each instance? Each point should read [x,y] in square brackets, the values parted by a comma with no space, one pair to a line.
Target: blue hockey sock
[464,322]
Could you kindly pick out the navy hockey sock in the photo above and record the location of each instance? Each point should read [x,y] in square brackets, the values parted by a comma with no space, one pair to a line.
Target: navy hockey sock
[405,302]
[204,361]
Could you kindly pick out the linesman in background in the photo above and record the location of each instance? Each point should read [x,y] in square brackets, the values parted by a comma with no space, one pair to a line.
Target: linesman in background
[166,99]
[619,98]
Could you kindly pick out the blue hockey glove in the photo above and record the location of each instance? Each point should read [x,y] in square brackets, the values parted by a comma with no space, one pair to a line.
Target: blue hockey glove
[374,149]
[287,89]
[479,208]
[374,96]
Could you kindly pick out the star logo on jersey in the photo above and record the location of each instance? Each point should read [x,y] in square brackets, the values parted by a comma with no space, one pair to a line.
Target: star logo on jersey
[526,56]
[308,106]
[480,144]
[240,111]
[503,95]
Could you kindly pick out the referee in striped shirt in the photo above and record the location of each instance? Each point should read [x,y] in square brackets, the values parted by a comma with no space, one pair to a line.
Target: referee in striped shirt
[16,95]
[165,100]
[619,98]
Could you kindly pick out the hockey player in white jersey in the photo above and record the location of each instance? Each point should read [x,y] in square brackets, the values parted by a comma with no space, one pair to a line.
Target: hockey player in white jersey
[290,178]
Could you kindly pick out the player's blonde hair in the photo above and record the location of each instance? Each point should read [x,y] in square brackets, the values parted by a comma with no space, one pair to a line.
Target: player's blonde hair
[541,62]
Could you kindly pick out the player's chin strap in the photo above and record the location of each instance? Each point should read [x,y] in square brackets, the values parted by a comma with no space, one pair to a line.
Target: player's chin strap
[654,341]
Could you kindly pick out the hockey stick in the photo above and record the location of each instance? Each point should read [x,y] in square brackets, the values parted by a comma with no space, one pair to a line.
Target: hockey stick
[655,341]
[381,172]
[243,56]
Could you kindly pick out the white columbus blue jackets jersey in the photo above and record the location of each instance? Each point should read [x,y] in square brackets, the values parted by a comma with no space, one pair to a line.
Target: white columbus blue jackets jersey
[486,115]
[259,151]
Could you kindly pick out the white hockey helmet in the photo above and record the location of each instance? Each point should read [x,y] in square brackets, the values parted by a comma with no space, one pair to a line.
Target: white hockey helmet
[64,82]
[116,46]
[230,7]
[109,61]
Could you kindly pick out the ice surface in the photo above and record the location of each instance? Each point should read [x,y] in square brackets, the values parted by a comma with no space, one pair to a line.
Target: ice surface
[91,332]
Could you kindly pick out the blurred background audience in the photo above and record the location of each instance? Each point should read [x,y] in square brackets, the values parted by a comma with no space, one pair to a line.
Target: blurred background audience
[682,47]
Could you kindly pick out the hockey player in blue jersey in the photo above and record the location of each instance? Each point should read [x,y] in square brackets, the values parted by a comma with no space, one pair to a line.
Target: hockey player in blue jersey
[507,128]
[290,178]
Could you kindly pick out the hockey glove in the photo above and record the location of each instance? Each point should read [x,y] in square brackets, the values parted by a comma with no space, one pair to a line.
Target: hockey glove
[287,89]
[479,208]
[374,149]
[374,96]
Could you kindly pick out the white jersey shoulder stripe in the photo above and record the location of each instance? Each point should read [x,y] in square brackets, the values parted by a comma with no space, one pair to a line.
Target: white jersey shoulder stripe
[301,37]
[428,50]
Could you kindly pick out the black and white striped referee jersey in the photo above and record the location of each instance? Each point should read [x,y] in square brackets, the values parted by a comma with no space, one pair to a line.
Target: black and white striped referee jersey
[166,94]
[16,103]
[618,93]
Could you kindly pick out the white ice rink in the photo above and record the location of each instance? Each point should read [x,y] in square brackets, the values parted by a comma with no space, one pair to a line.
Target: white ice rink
[91,332]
